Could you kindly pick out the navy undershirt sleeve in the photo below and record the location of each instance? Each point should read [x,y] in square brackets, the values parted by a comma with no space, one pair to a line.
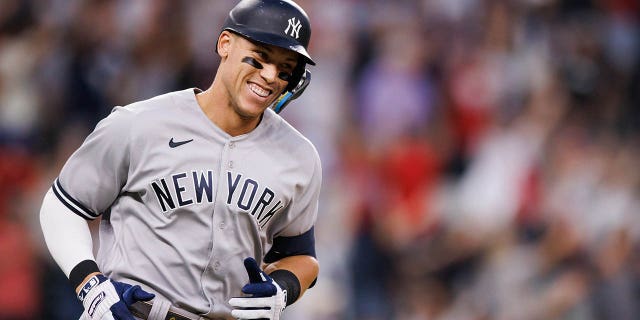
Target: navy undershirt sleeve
[304,244]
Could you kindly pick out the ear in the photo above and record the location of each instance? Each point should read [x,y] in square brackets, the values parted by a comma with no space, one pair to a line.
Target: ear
[224,43]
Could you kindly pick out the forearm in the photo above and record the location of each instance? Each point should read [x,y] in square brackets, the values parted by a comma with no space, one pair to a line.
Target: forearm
[304,267]
[66,234]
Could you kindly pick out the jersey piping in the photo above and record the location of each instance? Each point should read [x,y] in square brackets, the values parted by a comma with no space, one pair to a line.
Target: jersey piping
[72,203]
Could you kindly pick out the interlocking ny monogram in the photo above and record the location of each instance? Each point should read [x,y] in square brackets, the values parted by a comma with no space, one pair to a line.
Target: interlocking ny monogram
[295,26]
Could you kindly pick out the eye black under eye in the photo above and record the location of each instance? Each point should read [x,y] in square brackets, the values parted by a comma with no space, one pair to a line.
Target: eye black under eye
[252,62]
[285,76]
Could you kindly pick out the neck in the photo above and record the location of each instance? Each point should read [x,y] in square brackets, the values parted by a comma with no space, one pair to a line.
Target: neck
[217,107]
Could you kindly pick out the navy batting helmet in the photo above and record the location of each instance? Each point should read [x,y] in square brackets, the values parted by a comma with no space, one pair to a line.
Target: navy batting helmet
[281,23]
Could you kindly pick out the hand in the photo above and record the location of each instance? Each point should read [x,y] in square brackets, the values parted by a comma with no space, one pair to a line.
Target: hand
[267,300]
[105,299]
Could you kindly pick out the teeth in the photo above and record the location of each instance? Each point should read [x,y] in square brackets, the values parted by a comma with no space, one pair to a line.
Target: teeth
[259,91]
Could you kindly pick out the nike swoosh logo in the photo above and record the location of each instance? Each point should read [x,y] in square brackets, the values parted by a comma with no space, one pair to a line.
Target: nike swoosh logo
[173,144]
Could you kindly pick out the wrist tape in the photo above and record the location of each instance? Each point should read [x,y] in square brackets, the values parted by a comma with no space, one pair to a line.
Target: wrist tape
[81,271]
[288,282]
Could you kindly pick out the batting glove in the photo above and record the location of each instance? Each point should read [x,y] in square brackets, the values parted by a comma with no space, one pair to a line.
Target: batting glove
[105,299]
[267,298]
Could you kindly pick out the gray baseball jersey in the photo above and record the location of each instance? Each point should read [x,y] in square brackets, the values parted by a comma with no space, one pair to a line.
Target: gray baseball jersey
[184,203]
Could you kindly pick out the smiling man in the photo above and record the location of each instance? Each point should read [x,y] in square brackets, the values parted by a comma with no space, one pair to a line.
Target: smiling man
[207,199]
[251,76]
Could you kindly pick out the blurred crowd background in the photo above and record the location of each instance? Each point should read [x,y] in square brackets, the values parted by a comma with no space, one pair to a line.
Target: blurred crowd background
[481,157]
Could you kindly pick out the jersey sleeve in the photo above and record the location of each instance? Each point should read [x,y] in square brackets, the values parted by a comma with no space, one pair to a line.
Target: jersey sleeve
[297,236]
[304,207]
[93,176]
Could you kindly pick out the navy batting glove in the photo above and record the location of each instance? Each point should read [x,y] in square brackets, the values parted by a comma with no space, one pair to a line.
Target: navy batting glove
[105,299]
[267,299]
[260,284]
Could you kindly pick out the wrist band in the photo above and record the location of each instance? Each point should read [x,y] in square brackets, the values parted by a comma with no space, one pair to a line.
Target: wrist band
[289,282]
[81,271]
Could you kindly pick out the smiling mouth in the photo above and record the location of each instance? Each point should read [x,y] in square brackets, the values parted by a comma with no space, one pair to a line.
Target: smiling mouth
[263,93]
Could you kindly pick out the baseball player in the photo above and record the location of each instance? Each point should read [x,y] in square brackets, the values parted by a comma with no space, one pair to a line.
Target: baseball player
[208,199]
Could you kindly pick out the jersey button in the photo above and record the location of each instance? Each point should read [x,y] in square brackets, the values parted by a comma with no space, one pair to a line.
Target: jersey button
[222,225]
[216,266]
[231,164]
[232,145]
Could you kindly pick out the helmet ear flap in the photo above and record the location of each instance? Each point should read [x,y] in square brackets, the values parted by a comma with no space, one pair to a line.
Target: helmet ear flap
[297,88]
[296,75]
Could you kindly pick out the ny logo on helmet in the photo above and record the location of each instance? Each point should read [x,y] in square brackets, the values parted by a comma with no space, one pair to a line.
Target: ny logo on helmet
[295,26]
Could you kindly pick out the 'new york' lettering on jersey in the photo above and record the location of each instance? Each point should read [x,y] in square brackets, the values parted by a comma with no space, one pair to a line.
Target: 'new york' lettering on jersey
[246,195]
[202,185]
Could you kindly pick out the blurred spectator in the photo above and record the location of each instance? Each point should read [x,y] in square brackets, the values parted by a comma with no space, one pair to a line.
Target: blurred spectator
[19,296]
[395,95]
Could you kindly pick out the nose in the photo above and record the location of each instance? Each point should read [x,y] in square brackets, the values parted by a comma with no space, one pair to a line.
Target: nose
[269,72]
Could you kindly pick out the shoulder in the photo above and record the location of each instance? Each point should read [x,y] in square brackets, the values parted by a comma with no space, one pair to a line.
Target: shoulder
[145,113]
[292,142]
[163,101]
[287,136]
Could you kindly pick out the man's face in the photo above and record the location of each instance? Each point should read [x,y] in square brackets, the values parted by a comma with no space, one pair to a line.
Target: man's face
[255,74]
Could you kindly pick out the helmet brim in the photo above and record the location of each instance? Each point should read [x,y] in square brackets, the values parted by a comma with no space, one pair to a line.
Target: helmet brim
[275,40]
